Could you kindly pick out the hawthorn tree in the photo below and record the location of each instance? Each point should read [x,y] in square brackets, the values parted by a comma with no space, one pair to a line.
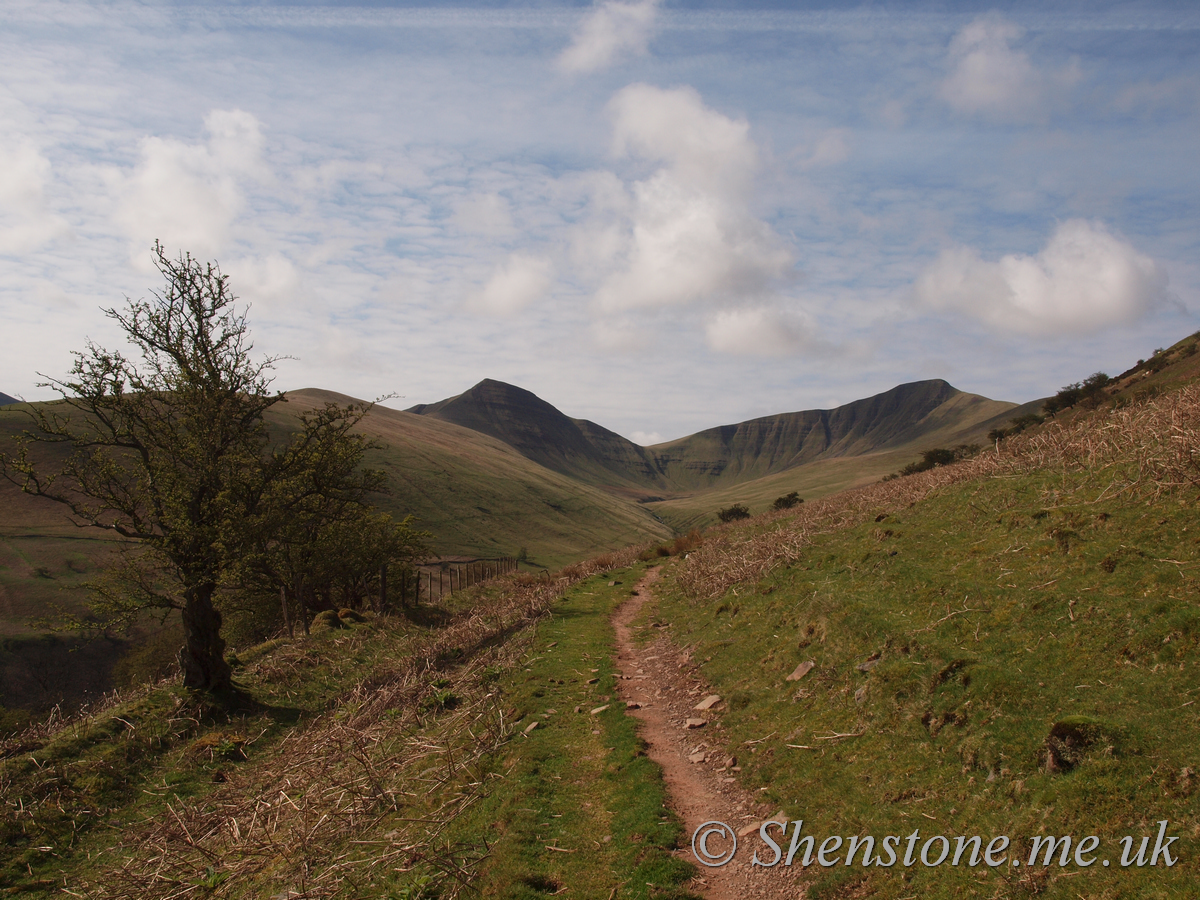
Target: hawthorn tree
[317,532]
[171,452]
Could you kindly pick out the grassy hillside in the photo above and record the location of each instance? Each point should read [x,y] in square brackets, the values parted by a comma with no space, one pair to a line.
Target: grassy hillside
[1007,646]
[478,495]
[475,495]
[1004,647]
[924,412]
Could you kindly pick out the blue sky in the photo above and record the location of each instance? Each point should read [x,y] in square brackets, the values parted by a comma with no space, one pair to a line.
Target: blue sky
[658,216]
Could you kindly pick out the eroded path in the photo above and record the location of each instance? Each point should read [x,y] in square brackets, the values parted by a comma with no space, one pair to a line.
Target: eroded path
[662,690]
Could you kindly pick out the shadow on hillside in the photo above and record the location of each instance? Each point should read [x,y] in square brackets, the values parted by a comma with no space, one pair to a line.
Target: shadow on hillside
[426,616]
[224,707]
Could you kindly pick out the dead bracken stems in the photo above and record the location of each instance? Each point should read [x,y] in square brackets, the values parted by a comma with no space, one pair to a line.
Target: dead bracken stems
[400,757]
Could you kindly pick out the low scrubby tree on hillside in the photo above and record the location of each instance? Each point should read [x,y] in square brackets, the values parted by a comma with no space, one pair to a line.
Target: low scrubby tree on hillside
[787,501]
[733,513]
[171,452]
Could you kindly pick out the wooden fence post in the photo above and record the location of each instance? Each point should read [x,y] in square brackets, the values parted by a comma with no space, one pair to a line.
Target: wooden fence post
[287,620]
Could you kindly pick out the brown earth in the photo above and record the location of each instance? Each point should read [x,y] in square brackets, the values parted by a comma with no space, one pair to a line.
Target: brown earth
[661,689]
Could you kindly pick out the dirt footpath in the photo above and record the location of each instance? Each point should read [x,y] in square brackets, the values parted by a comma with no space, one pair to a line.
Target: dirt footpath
[661,689]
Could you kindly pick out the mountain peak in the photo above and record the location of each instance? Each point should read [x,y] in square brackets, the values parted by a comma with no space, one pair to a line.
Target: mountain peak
[539,431]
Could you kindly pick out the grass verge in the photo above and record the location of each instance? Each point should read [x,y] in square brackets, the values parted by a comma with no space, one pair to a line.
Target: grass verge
[574,802]
[1011,656]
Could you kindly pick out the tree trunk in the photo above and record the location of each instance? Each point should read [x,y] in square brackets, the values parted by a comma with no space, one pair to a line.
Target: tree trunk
[202,657]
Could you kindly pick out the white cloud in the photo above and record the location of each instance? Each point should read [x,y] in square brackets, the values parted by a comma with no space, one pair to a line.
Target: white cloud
[1084,280]
[520,281]
[646,438]
[25,222]
[988,76]
[757,332]
[689,235]
[188,195]
[611,30]
[271,281]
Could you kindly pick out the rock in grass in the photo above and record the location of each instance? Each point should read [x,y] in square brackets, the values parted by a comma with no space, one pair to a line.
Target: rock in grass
[708,702]
[801,670]
[599,709]
[530,727]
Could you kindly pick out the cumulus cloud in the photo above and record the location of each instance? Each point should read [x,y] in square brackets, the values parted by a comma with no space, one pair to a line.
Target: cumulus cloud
[25,221]
[611,30]
[518,282]
[688,234]
[988,76]
[188,195]
[1084,280]
[758,331]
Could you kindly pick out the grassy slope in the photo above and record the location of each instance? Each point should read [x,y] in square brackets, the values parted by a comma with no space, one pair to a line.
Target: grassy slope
[949,634]
[922,413]
[479,496]
[476,495]
[365,761]
[952,621]
[965,418]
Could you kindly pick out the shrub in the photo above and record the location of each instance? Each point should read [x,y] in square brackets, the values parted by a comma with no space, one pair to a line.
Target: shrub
[939,456]
[787,501]
[733,513]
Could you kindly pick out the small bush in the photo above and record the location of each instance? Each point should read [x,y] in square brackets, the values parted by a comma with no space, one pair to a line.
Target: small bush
[787,501]
[733,513]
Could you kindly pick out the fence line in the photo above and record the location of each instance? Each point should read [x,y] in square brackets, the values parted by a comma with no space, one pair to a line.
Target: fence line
[432,580]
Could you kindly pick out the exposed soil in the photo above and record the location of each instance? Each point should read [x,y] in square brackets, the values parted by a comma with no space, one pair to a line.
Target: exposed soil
[661,689]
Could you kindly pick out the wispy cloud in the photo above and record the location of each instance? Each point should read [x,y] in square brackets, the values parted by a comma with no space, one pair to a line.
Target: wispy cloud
[25,221]
[612,30]
[988,75]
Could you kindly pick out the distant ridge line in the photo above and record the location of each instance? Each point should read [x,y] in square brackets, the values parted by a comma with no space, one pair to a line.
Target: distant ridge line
[723,454]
